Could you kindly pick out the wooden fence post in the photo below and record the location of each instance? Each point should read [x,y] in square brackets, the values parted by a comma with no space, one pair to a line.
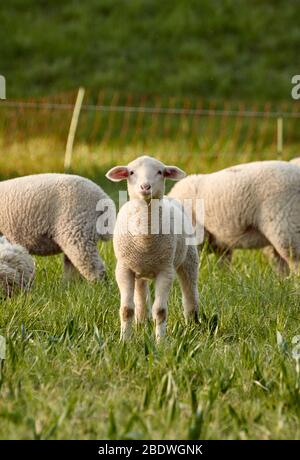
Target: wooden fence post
[279,136]
[2,87]
[72,130]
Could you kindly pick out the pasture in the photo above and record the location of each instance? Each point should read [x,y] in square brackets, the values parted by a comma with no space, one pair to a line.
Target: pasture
[173,47]
[66,376]
[197,84]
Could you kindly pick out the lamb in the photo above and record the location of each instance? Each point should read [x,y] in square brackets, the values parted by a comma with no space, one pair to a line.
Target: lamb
[250,206]
[269,251]
[145,251]
[17,268]
[53,213]
[295,161]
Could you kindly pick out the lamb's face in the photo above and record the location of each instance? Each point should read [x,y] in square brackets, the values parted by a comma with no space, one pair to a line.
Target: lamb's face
[145,177]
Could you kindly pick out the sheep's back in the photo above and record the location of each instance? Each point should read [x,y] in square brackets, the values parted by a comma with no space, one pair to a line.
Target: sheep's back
[35,209]
[238,198]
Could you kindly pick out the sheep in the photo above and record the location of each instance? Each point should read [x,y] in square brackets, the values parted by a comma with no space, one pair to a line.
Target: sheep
[251,205]
[295,161]
[145,251]
[269,251]
[17,268]
[53,213]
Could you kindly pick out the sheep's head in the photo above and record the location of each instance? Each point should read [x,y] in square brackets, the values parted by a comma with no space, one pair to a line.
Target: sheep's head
[145,177]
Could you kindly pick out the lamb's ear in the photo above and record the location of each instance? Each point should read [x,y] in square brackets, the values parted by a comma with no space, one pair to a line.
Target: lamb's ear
[117,173]
[173,173]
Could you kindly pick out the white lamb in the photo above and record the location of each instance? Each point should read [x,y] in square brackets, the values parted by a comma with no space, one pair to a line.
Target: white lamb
[17,268]
[53,213]
[295,161]
[250,206]
[269,251]
[146,248]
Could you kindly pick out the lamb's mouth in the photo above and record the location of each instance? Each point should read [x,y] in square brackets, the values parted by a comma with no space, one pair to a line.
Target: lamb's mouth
[146,193]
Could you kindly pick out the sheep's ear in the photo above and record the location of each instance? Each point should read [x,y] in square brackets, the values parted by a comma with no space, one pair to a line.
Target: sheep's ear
[117,173]
[173,173]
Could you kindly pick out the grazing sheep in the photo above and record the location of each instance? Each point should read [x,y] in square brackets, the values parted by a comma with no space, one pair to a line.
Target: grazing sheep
[295,161]
[53,213]
[269,251]
[144,250]
[17,268]
[250,206]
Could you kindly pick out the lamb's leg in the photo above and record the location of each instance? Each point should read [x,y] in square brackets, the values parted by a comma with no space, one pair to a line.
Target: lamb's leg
[280,265]
[292,260]
[125,279]
[163,285]
[70,272]
[287,247]
[188,278]
[85,258]
[141,300]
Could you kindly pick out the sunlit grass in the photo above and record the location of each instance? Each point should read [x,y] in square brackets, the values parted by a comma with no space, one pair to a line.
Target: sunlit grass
[67,376]
[46,154]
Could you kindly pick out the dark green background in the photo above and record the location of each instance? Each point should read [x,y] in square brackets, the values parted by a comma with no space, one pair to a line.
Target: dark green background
[234,49]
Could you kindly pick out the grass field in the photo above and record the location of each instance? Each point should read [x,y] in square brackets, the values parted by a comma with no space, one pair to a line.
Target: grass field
[67,376]
[211,48]
[233,377]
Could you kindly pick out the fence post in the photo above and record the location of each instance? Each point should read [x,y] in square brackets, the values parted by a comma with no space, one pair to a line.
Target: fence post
[2,87]
[72,130]
[279,136]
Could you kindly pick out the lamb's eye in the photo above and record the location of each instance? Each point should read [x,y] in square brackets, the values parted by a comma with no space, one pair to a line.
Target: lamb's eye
[131,172]
[159,172]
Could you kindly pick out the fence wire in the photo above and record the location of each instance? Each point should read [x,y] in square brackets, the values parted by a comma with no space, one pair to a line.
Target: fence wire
[118,120]
[150,110]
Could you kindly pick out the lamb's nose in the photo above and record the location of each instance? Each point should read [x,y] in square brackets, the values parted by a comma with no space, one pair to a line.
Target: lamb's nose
[145,187]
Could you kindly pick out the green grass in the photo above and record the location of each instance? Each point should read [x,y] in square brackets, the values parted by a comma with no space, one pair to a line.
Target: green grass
[66,375]
[212,48]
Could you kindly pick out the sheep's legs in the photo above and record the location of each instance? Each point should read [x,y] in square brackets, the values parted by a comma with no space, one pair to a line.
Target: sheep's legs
[85,259]
[188,278]
[70,272]
[141,300]
[163,285]
[280,265]
[285,243]
[293,264]
[125,280]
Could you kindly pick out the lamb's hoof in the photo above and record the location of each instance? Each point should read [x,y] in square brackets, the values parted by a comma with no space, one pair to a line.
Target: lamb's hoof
[196,318]
[192,318]
[125,336]
[161,339]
